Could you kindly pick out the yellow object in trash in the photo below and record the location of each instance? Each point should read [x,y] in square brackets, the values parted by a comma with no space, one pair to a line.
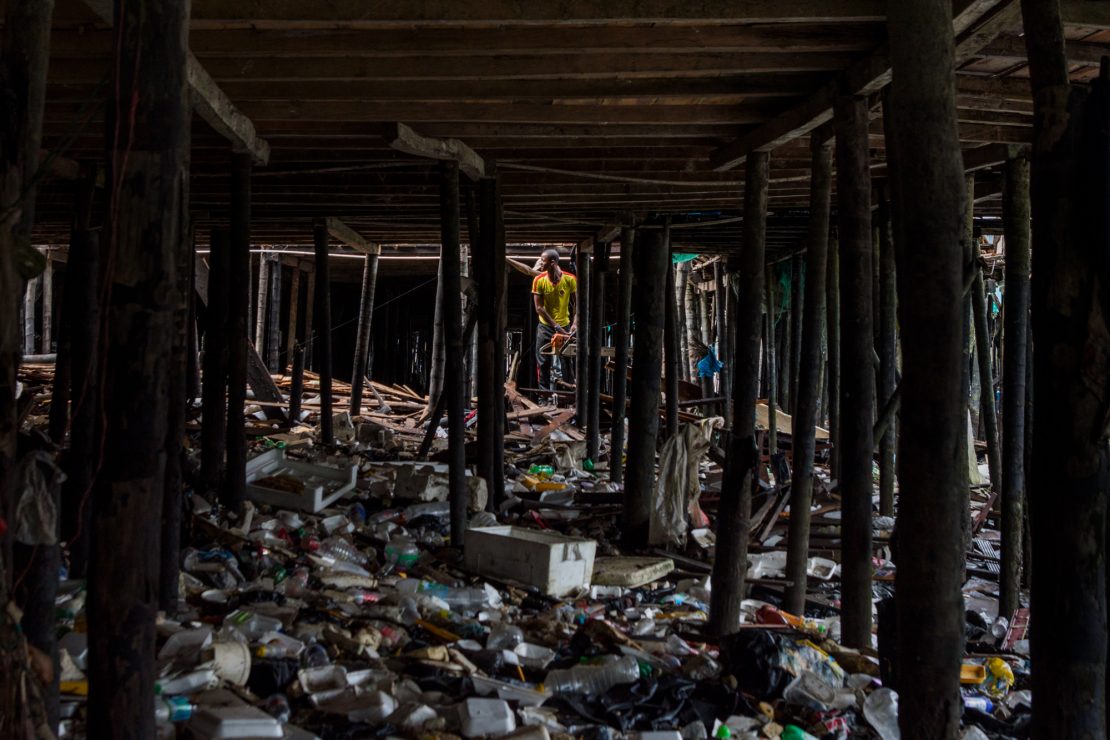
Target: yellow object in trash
[74,688]
[533,483]
[973,673]
[1000,680]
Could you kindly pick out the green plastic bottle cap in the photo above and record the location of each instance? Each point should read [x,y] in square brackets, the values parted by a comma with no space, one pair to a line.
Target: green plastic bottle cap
[723,733]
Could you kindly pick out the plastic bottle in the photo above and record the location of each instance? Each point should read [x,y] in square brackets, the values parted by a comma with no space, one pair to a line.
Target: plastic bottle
[341,549]
[979,703]
[591,679]
[541,471]
[504,637]
[400,552]
[793,732]
[274,651]
[315,656]
[172,709]
[277,706]
[881,711]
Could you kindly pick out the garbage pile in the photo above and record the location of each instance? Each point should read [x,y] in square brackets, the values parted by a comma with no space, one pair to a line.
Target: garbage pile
[336,607]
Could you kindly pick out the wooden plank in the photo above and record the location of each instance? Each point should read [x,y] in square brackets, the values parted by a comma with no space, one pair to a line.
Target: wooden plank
[350,237]
[404,139]
[558,421]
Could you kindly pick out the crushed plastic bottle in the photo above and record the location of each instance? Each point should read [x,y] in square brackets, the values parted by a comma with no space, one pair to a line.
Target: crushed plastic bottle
[593,680]
[504,637]
[341,549]
[315,656]
[400,552]
[881,711]
[172,709]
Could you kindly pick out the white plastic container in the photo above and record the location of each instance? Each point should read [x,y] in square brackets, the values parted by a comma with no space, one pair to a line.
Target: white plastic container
[322,484]
[556,564]
[479,717]
[220,723]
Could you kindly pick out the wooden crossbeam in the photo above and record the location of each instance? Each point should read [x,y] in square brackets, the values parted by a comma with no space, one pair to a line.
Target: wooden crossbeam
[404,139]
[977,23]
[209,101]
[350,237]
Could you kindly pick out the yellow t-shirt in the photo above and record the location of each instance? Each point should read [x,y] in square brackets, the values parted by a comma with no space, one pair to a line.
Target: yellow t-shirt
[556,297]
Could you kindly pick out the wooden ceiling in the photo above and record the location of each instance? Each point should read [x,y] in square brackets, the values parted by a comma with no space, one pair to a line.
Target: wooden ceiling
[591,109]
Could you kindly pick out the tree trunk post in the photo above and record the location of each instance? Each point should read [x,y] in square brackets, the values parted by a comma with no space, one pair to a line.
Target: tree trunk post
[296,390]
[857,392]
[260,312]
[671,344]
[621,334]
[273,323]
[796,309]
[1015,221]
[581,358]
[597,312]
[454,358]
[362,339]
[291,337]
[436,363]
[929,207]
[652,264]
[731,562]
[887,321]
[239,298]
[323,330]
[809,389]
[772,368]
[490,266]
[832,365]
[148,113]
[986,373]
[213,430]
[720,303]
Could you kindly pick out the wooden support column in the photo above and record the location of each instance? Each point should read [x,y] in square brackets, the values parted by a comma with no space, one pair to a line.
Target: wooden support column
[769,333]
[983,350]
[261,301]
[672,345]
[653,262]
[362,339]
[582,317]
[310,317]
[1015,338]
[832,352]
[686,317]
[455,370]
[706,319]
[213,430]
[296,391]
[742,457]
[887,321]
[489,267]
[47,304]
[436,366]
[192,356]
[147,170]
[273,329]
[857,393]
[30,308]
[809,388]
[323,330]
[241,355]
[294,308]
[929,207]
[597,311]
[474,236]
[621,334]
[720,302]
[1069,309]
[796,308]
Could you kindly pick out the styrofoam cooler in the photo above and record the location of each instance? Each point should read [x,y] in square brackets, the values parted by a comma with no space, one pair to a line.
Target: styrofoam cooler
[556,564]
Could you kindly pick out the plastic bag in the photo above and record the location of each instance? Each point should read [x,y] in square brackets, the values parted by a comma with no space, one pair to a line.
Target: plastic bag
[36,514]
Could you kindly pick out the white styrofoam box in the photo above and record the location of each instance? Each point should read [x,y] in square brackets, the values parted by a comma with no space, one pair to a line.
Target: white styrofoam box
[556,564]
[224,723]
[322,484]
[479,717]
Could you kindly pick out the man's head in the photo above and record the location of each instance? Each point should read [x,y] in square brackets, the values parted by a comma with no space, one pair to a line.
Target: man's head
[548,258]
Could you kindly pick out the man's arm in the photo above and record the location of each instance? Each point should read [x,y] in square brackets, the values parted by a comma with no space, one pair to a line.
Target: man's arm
[572,309]
[541,310]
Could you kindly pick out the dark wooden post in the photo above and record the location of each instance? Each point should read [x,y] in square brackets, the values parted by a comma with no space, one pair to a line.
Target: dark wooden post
[213,430]
[832,364]
[147,171]
[809,389]
[652,263]
[454,368]
[490,268]
[261,298]
[620,339]
[1015,337]
[291,337]
[473,239]
[581,358]
[365,317]
[323,329]
[1069,306]
[929,203]
[720,302]
[887,322]
[296,391]
[597,311]
[273,323]
[796,308]
[672,361]
[986,372]
[238,310]
[731,562]
[857,393]
[772,374]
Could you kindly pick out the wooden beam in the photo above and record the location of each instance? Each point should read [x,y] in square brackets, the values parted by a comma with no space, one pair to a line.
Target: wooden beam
[1085,13]
[404,139]
[865,77]
[990,155]
[345,234]
[209,101]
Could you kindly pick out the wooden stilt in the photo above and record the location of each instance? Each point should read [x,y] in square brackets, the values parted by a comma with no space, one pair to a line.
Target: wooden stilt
[832,365]
[238,366]
[296,391]
[192,351]
[796,307]
[672,360]
[30,311]
[490,269]
[706,339]
[686,318]
[805,412]
[261,314]
[652,264]
[273,322]
[362,340]
[730,563]
[436,363]
[1015,337]
[720,302]
[323,330]
[455,373]
[929,203]
[148,174]
[887,322]
[983,351]
[213,431]
[309,317]
[621,334]
[597,311]
[581,360]
[857,393]
[773,391]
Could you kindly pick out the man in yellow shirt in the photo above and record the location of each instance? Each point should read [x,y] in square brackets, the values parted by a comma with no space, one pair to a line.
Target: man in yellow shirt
[552,293]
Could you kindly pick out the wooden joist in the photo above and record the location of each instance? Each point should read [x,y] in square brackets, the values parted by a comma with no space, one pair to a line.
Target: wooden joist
[404,139]
[350,237]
